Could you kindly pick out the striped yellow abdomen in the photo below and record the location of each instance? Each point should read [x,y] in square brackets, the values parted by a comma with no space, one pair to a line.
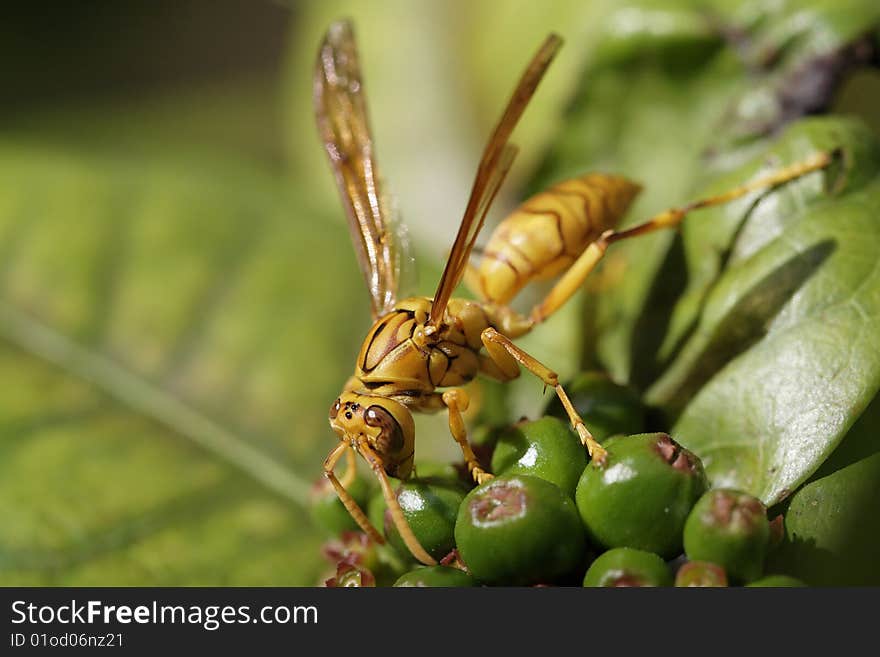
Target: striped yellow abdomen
[547,233]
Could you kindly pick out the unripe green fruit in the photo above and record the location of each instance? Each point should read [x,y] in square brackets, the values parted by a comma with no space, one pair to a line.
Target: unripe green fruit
[628,567]
[607,408]
[519,530]
[327,510]
[430,507]
[729,528]
[435,576]
[700,573]
[544,448]
[640,496]
[777,581]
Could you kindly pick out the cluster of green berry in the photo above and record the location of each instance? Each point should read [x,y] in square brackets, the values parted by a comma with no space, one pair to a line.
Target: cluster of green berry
[643,516]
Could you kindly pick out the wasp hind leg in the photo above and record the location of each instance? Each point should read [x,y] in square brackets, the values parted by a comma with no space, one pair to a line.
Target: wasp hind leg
[508,358]
[574,277]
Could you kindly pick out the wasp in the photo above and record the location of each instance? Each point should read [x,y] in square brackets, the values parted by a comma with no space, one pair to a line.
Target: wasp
[421,350]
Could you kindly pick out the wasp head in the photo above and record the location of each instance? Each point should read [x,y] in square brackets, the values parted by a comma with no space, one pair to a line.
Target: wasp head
[380,423]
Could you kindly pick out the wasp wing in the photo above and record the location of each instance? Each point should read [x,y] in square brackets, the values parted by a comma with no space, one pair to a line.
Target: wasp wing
[496,160]
[341,113]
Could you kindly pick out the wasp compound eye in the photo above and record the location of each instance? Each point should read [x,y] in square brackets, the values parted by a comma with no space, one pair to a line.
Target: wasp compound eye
[334,410]
[390,437]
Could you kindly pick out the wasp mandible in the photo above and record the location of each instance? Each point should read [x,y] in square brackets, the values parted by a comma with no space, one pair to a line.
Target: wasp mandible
[420,350]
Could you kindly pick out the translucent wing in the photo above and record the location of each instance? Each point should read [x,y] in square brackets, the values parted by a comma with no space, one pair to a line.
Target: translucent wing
[341,112]
[494,164]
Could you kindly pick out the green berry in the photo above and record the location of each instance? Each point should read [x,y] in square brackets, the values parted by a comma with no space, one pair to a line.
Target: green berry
[777,581]
[607,408]
[641,494]
[327,510]
[519,530]
[435,576]
[628,567]
[700,573]
[430,507]
[729,528]
[545,448]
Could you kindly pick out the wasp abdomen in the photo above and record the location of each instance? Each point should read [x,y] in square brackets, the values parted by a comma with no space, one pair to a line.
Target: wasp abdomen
[547,233]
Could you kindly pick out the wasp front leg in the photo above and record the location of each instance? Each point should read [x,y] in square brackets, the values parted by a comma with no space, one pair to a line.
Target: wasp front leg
[406,532]
[347,500]
[457,402]
[350,473]
[508,358]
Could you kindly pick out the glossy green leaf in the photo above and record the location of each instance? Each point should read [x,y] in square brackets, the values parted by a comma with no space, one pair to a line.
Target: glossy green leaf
[167,338]
[831,523]
[786,355]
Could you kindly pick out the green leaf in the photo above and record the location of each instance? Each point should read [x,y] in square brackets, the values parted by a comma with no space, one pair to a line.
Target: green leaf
[831,523]
[675,94]
[785,355]
[167,336]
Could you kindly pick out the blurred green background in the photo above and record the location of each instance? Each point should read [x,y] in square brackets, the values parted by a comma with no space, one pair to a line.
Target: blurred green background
[179,300]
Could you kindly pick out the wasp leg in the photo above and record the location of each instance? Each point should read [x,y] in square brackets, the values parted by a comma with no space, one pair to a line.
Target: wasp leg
[347,500]
[397,516]
[509,357]
[489,368]
[457,401]
[350,473]
[574,277]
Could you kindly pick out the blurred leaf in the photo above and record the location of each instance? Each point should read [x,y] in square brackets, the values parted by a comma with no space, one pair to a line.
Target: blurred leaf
[170,334]
[785,355]
[238,119]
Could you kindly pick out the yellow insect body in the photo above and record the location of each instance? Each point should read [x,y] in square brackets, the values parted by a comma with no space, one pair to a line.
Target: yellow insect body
[548,232]
[418,346]
[401,358]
